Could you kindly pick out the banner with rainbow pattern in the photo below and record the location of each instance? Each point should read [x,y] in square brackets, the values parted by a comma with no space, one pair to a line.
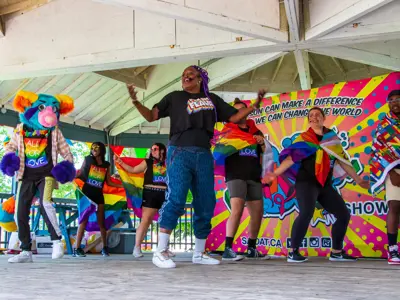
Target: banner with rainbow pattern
[353,110]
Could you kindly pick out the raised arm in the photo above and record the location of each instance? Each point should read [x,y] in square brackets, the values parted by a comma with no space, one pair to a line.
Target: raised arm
[244,112]
[109,181]
[150,115]
[140,168]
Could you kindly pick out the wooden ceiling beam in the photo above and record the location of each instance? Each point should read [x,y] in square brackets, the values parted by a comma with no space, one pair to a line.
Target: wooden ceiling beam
[22,5]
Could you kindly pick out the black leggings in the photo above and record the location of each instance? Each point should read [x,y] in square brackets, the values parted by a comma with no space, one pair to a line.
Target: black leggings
[307,194]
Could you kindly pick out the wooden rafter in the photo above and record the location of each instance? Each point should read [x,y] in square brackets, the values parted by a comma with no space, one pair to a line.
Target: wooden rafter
[21,5]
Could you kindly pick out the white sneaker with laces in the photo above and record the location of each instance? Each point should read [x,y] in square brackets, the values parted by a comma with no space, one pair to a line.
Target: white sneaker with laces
[162,260]
[204,259]
[23,257]
[137,252]
[58,249]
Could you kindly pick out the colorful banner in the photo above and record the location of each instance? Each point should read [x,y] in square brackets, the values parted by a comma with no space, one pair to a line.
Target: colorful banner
[353,110]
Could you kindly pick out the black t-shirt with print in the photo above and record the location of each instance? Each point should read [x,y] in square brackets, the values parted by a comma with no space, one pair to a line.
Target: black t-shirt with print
[94,176]
[38,155]
[307,168]
[245,164]
[193,117]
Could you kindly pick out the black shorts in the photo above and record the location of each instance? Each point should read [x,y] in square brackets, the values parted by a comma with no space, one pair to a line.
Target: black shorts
[153,197]
[248,190]
[94,194]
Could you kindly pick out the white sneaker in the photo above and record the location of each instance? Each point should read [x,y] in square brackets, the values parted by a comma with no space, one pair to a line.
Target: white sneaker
[58,249]
[137,252]
[23,257]
[162,260]
[204,259]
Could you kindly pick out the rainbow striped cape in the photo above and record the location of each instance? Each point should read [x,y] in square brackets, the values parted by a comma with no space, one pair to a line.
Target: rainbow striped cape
[133,185]
[114,204]
[385,153]
[229,139]
[307,144]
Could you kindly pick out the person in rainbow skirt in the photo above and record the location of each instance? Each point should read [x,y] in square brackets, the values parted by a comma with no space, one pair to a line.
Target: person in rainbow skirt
[311,161]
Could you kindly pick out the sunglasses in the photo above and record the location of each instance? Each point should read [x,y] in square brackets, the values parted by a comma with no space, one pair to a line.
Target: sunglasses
[394,100]
[95,147]
[155,149]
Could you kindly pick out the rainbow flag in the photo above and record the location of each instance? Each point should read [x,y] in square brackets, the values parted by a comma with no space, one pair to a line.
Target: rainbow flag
[228,139]
[133,184]
[114,204]
[7,210]
[307,144]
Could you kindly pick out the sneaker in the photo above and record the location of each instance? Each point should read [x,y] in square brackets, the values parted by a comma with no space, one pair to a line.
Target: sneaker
[58,250]
[78,252]
[342,256]
[204,259]
[252,253]
[105,252]
[23,257]
[393,255]
[137,252]
[296,257]
[229,254]
[162,260]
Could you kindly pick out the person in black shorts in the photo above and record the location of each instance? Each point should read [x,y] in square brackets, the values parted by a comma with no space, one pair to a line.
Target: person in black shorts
[94,172]
[154,187]
[243,179]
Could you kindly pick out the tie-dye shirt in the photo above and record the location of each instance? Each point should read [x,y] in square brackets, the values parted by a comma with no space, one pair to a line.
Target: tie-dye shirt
[38,158]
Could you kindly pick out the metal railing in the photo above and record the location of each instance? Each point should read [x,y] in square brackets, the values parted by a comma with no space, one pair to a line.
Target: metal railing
[182,238]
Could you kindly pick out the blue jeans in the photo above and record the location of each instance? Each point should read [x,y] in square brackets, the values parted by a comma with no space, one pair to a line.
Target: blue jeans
[189,168]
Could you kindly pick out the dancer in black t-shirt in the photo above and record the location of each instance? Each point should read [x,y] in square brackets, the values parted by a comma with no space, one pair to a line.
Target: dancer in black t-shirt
[243,179]
[154,187]
[94,172]
[309,190]
[193,113]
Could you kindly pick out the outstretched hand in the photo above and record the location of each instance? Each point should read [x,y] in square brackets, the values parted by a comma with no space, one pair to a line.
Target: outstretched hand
[268,178]
[364,184]
[132,93]
[117,160]
[260,96]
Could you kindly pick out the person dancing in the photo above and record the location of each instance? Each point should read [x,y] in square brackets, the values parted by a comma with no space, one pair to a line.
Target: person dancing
[94,171]
[243,179]
[193,113]
[154,187]
[385,170]
[308,157]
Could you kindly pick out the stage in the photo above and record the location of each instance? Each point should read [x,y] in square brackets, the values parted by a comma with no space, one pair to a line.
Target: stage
[123,277]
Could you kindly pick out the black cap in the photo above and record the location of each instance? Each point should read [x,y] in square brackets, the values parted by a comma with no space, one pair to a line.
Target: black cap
[394,93]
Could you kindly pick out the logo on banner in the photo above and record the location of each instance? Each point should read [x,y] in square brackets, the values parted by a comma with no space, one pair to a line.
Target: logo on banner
[250,151]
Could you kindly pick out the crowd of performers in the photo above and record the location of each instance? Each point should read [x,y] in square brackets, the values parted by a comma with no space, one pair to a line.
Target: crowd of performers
[188,164]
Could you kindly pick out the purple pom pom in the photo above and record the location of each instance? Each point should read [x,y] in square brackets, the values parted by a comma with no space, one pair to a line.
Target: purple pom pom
[64,172]
[9,164]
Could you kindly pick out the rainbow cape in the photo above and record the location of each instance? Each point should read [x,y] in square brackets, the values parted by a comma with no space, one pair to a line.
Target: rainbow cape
[307,144]
[7,210]
[229,139]
[114,204]
[385,153]
[133,185]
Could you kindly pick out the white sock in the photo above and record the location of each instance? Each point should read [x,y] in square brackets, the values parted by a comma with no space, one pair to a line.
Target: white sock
[163,240]
[199,247]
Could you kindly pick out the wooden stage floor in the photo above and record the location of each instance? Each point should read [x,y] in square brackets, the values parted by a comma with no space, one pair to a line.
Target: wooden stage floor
[123,277]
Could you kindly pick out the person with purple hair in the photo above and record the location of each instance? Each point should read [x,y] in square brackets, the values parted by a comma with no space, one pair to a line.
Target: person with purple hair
[193,113]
